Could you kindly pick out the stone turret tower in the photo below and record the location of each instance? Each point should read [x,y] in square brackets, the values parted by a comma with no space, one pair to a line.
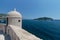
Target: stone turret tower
[14,18]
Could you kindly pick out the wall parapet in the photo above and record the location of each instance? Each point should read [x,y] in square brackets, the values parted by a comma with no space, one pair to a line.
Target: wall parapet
[14,32]
[18,33]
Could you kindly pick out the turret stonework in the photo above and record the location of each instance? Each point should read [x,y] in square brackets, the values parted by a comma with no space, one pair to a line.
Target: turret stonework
[14,18]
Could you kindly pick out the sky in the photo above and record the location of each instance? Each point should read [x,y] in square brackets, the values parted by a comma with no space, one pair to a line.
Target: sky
[31,9]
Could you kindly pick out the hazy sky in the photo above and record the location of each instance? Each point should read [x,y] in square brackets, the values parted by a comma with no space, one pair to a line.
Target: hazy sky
[32,8]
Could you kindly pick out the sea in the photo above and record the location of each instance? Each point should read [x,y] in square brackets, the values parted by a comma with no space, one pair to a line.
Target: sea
[46,30]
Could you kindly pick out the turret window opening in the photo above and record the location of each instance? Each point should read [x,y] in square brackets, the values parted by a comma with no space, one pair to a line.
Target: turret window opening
[18,20]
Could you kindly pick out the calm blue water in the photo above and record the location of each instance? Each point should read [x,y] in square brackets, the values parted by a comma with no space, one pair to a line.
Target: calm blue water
[47,30]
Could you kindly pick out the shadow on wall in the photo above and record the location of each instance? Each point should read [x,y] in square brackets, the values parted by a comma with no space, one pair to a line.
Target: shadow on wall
[7,37]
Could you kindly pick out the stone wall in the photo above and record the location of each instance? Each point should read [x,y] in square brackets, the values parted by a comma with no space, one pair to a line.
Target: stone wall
[2,27]
[12,31]
[17,33]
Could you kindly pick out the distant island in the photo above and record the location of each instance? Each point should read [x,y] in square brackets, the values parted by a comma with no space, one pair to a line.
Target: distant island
[2,16]
[44,18]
